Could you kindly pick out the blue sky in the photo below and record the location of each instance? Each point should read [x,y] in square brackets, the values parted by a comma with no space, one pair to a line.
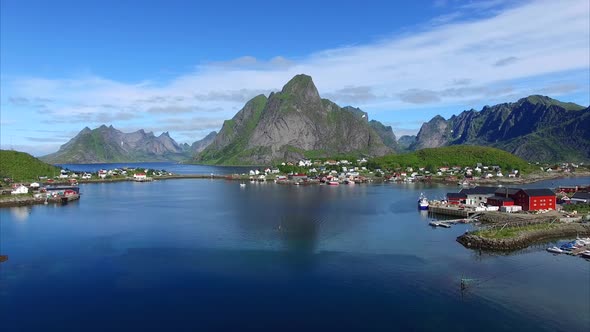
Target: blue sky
[185,66]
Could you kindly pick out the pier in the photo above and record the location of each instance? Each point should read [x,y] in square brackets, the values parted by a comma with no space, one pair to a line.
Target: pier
[451,211]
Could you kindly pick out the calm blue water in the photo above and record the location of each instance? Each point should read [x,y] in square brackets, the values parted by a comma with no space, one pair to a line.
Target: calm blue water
[208,255]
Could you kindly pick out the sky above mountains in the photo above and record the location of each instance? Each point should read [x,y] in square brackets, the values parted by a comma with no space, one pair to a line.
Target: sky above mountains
[185,66]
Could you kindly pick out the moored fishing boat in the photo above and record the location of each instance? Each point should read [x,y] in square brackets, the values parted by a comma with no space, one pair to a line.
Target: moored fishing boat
[423,202]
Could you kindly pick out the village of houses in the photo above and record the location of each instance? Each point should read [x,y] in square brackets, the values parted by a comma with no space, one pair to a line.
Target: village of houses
[337,172]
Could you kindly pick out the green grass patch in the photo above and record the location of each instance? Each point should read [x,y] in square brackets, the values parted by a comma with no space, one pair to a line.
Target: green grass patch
[449,156]
[511,232]
[20,166]
[580,208]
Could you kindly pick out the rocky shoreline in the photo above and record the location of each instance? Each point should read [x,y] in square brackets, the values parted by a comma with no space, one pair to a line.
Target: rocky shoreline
[521,241]
[30,200]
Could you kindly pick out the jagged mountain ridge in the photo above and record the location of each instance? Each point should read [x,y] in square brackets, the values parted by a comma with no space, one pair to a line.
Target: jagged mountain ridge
[293,123]
[107,144]
[536,128]
[200,145]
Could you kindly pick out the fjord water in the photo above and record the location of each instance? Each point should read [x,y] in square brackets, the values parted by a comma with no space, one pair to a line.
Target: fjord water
[210,255]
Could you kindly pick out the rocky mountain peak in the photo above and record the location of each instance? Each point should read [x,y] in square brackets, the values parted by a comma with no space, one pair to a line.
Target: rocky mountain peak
[545,101]
[301,86]
[291,122]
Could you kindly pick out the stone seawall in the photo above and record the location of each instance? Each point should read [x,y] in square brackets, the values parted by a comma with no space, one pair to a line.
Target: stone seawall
[522,241]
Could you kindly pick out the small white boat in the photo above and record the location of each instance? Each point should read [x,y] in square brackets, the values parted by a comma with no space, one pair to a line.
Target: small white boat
[555,250]
[423,202]
[585,254]
[242,185]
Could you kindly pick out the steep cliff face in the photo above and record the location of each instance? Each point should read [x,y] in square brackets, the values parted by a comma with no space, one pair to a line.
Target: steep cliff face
[203,143]
[386,134]
[405,142]
[291,124]
[536,128]
[433,134]
[107,144]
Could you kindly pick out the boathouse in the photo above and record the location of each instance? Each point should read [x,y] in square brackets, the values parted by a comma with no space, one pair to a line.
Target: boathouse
[456,198]
[478,195]
[500,201]
[529,199]
[535,199]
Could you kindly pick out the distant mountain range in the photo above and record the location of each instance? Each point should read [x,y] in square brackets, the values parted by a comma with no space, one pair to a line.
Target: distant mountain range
[107,144]
[297,123]
[536,128]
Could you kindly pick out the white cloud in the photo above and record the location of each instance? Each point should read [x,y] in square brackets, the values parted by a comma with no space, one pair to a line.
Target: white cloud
[422,69]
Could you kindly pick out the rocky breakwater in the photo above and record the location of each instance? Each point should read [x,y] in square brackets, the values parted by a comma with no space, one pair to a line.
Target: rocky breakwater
[522,238]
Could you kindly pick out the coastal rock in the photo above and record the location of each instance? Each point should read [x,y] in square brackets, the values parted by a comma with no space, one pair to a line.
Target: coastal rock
[524,240]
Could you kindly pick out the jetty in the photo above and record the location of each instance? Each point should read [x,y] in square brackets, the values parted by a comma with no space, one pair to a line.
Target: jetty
[448,223]
[579,250]
[452,211]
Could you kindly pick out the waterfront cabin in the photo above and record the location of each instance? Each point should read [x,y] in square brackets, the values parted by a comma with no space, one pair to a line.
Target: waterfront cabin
[456,198]
[568,189]
[478,195]
[298,177]
[20,190]
[500,201]
[529,199]
[139,177]
[536,199]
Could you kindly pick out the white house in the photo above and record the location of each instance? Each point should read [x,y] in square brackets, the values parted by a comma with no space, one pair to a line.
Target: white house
[139,176]
[20,190]
[102,173]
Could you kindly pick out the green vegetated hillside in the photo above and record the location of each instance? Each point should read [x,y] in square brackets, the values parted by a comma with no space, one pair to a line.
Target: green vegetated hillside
[536,128]
[451,156]
[20,166]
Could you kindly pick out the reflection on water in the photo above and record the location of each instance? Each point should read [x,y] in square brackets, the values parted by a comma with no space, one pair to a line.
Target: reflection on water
[20,213]
[299,234]
[212,255]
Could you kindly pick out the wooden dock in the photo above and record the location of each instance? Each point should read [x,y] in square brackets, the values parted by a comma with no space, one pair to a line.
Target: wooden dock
[580,250]
[451,211]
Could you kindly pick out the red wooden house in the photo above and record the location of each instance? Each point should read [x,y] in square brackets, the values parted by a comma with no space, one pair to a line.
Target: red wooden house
[500,201]
[456,198]
[529,199]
